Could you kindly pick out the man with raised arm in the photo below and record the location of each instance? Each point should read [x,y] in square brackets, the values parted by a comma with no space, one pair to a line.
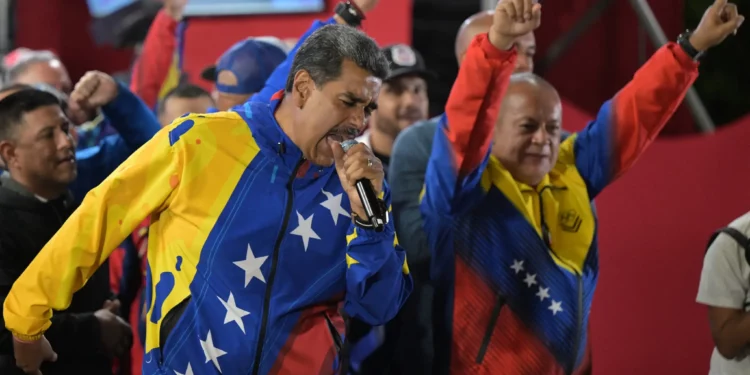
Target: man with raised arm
[511,226]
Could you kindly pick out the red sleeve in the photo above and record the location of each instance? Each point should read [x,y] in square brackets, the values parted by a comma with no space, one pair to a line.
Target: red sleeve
[474,102]
[628,123]
[461,146]
[153,65]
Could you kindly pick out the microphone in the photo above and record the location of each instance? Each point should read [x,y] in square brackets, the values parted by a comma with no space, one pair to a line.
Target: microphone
[373,208]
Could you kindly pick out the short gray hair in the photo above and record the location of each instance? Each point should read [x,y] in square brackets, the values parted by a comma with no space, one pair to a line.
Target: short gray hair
[324,52]
[27,60]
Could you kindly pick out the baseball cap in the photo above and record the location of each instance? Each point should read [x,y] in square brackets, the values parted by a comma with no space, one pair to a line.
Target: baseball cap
[404,60]
[245,67]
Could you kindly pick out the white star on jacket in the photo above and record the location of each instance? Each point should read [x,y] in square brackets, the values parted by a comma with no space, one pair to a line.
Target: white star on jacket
[251,265]
[517,266]
[333,204]
[556,307]
[234,313]
[543,293]
[530,279]
[211,352]
[304,229]
[188,371]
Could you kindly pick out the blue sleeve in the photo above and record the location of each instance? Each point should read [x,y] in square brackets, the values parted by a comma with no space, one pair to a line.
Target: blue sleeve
[406,174]
[135,125]
[377,276]
[96,163]
[277,80]
[132,119]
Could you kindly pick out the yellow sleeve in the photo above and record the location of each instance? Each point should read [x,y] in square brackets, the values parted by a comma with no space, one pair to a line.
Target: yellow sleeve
[144,184]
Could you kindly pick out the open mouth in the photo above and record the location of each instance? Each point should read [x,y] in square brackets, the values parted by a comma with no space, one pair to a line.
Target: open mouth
[71,160]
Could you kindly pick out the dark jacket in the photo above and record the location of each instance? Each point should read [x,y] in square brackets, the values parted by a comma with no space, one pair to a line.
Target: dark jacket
[26,224]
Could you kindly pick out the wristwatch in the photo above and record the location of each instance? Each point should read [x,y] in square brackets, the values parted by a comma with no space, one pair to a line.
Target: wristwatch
[350,13]
[365,223]
[684,41]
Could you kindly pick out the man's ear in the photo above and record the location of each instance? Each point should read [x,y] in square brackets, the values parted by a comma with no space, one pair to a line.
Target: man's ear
[7,153]
[302,88]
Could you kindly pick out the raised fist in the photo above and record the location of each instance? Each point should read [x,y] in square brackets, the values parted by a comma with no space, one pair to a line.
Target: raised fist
[720,20]
[94,90]
[512,19]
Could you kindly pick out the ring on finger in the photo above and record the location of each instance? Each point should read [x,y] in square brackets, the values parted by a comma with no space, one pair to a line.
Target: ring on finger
[369,163]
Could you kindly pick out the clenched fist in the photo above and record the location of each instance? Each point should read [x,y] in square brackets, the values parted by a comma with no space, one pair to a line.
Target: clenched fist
[719,21]
[93,90]
[512,19]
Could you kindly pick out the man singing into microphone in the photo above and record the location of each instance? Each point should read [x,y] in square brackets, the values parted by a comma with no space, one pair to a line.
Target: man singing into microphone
[258,234]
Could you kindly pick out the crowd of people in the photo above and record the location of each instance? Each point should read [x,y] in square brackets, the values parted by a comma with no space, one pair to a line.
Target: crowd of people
[159,228]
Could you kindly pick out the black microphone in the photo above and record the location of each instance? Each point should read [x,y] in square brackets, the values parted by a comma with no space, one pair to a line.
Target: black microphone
[366,192]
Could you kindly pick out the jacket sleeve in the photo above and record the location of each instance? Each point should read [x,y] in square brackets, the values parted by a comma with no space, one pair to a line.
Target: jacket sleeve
[144,184]
[461,148]
[377,276]
[69,333]
[152,67]
[406,172]
[277,80]
[135,125]
[627,124]
[132,119]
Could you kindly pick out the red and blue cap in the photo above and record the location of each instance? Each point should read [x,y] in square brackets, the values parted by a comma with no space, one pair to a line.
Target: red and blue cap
[244,68]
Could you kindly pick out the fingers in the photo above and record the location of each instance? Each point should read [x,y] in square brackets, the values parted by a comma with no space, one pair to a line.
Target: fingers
[510,9]
[112,305]
[731,19]
[360,164]
[719,4]
[85,87]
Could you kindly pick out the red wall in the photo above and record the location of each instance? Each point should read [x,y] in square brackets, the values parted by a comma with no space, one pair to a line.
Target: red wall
[207,38]
[62,26]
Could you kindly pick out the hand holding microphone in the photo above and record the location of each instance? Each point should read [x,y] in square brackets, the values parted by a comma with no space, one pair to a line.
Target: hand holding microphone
[361,175]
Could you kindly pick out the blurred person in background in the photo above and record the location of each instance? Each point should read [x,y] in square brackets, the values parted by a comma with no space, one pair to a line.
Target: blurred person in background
[34,203]
[410,154]
[31,67]
[184,99]
[402,102]
[507,204]
[243,70]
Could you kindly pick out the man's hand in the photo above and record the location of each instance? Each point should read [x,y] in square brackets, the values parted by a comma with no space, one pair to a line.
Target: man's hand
[115,332]
[30,354]
[93,90]
[356,164]
[719,20]
[175,8]
[512,19]
[366,5]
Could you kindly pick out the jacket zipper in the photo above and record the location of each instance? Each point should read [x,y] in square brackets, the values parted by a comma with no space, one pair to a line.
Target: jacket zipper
[579,286]
[337,344]
[272,274]
[499,303]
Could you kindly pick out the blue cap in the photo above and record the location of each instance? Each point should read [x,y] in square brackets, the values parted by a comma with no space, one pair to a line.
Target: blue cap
[244,68]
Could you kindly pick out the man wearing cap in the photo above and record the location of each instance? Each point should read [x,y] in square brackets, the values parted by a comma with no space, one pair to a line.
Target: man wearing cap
[243,70]
[402,102]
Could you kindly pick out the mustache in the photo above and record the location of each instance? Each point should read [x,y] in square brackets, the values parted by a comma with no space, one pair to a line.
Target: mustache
[342,133]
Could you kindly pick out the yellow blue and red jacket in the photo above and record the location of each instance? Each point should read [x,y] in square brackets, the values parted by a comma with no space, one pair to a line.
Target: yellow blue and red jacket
[251,251]
[515,266]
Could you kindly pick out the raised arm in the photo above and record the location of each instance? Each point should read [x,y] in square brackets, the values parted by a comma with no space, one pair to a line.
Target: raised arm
[462,141]
[628,123]
[159,54]
[277,81]
[142,185]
